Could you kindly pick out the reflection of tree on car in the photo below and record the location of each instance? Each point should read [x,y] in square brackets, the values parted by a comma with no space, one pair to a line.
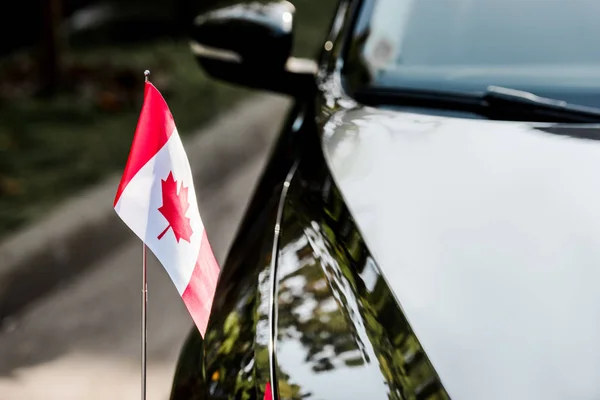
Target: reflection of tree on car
[315,298]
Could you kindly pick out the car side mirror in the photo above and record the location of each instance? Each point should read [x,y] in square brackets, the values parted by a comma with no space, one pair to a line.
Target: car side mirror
[250,44]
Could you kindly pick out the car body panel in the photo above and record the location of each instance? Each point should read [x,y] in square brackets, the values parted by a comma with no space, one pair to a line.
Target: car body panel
[489,235]
[341,333]
[346,327]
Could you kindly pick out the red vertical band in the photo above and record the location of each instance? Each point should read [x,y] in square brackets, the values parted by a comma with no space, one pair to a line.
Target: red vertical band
[200,291]
[268,393]
[153,130]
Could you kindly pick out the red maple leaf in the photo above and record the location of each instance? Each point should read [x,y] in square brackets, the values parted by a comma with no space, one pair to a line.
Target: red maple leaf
[174,207]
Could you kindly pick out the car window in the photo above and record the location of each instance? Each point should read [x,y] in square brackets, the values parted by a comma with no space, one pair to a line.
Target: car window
[539,45]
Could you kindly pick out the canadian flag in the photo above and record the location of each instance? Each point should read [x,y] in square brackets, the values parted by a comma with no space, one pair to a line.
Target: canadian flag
[157,200]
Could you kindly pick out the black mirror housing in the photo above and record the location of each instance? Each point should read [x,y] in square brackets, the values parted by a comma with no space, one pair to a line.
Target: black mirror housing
[250,44]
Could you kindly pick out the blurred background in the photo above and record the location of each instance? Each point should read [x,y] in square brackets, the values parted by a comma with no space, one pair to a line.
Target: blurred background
[71,87]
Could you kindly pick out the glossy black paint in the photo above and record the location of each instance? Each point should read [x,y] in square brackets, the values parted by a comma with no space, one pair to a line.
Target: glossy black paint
[239,28]
[250,44]
[341,333]
[336,315]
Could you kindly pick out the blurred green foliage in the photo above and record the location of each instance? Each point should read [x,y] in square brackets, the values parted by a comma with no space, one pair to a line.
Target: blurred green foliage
[53,148]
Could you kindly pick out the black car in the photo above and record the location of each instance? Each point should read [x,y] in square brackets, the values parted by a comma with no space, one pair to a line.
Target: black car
[428,226]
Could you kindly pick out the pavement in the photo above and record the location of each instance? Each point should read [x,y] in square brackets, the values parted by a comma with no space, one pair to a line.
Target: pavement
[81,339]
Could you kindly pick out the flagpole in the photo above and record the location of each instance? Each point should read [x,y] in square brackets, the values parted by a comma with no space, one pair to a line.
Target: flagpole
[144,320]
[144,302]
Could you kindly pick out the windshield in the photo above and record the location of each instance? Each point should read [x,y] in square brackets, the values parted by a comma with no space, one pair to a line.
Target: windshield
[549,47]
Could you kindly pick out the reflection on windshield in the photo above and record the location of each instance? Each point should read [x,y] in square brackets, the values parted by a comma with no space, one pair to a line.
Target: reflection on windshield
[387,34]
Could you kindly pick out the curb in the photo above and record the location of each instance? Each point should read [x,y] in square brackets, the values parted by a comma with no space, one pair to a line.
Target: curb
[82,229]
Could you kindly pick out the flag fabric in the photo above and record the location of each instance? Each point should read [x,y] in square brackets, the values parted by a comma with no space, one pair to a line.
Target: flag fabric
[268,392]
[157,201]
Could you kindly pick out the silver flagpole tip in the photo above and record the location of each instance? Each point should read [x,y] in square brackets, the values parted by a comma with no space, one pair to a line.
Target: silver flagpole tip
[146,74]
